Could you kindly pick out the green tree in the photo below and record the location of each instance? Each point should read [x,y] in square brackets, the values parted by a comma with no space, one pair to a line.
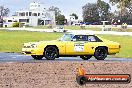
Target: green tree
[16,24]
[60,20]
[90,12]
[73,14]
[122,4]
[104,10]
[3,12]
[56,9]
[125,10]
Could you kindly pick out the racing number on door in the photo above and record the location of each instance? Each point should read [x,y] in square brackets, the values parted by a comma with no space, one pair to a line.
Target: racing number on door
[78,47]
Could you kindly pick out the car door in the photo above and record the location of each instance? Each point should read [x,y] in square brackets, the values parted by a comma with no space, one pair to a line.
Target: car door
[78,46]
[91,44]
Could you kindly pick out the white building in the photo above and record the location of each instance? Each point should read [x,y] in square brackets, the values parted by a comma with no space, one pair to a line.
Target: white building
[72,21]
[36,15]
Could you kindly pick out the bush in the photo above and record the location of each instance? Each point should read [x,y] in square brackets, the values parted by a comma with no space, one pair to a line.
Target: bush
[16,24]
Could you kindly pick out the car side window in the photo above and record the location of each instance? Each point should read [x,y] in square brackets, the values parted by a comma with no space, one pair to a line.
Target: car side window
[60,27]
[91,39]
[81,37]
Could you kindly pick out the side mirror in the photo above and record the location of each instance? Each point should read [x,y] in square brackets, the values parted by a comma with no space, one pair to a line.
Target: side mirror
[73,40]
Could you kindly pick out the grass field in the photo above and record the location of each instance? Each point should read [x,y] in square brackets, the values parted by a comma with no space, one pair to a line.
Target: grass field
[11,41]
[126,44]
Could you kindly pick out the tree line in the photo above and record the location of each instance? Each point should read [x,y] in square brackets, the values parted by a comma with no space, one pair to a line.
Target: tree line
[3,12]
[100,11]
[92,12]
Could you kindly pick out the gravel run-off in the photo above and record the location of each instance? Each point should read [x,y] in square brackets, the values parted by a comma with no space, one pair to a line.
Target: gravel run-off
[58,74]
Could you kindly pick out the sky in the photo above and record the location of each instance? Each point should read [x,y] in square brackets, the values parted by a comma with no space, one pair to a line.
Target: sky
[66,7]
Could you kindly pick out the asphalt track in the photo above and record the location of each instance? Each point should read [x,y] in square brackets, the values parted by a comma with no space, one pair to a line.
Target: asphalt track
[18,57]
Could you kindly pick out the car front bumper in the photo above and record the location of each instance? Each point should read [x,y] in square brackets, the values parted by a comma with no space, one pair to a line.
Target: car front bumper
[31,51]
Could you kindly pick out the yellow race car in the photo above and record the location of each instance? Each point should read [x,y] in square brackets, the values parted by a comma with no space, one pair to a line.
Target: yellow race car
[83,45]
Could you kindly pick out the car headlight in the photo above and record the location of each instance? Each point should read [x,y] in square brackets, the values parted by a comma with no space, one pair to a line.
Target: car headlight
[33,45]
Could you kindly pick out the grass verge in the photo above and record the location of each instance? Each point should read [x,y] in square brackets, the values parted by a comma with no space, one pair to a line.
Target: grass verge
[126,44]
[11,41]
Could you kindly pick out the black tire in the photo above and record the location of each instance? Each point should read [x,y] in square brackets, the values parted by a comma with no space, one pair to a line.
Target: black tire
[100,53]
[81,80]
[86,57]
[65,31]
[51,53]
[54,31]
[37,57]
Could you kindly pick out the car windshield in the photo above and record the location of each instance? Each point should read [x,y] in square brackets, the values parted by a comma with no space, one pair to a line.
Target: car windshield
[60,28]
[67,37]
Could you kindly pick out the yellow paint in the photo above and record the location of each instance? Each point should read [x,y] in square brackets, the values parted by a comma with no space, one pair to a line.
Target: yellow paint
[69,47]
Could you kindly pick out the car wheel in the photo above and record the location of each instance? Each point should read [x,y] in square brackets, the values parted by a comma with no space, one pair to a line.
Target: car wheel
[51,53]
[86,57]
[54,31]
[64,30]
[81,80]
[37,57]
[100,53]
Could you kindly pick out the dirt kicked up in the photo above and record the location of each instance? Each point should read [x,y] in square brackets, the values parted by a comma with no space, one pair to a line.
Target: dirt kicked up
[56,74]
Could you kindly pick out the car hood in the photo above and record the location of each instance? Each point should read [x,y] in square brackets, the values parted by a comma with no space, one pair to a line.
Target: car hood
[29,43]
